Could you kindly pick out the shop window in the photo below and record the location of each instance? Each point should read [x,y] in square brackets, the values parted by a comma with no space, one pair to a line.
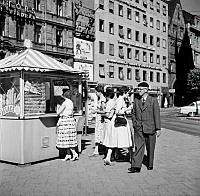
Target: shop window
[101,47]
[151,57]
[145,20]
[164,77]
[129,74]
[19,30]
[111,7]
[120,10]
[101,71]
[158,24]
[137,16]
[121,73]
[151,22]
[111,28]
[59,37]
[158,7]
[158,59]
[137,75]
[137,36]
[121,31]
[2,26]
[164,27]
[111,49]
[129,14]
[164,61]
[111,71]
[157,77]
[129,34]
[101,25]
[151,40]
[38,34]
[144,38]
[60,7]
[129,53]
[101,4]
[144,56]
[144,75]
[151,5]
[158,42]
[37,5]
[137,55]
[121,52]
[151,76]
[164,10]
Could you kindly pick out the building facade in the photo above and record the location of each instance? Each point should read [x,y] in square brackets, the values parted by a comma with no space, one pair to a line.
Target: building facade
[47,23]
[131,43]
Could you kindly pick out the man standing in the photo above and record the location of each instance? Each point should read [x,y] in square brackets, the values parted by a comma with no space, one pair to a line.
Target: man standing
[146,124]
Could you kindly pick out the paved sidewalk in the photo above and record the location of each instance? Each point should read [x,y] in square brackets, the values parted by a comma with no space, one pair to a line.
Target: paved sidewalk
[176,173]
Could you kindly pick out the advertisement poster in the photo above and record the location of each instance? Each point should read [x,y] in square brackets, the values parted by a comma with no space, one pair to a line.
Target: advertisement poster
[83,49]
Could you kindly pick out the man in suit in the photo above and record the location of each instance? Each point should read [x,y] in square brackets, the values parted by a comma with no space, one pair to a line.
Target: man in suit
[146,124]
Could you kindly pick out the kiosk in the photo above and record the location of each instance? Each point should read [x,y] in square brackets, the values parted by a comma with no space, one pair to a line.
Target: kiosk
[30,86]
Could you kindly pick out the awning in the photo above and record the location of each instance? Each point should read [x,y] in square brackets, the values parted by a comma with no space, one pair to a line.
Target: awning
[33,60]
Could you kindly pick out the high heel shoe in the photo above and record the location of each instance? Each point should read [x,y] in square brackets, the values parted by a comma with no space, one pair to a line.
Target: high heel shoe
[106,162]
[67,157]
[75,157]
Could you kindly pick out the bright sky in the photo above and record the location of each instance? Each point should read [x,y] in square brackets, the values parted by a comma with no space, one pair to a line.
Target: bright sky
[192,6]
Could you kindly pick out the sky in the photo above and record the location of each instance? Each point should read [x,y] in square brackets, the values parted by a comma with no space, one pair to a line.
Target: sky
[192,6]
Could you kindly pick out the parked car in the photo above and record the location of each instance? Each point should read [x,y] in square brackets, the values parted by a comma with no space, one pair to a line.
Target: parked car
[192,109]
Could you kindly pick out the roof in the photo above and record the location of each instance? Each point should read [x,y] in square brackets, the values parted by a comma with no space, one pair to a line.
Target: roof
[171,6]
[188,17]
[33,60]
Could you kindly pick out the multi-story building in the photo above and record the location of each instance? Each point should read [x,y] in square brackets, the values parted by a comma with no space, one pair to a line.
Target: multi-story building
[193,25]
[175,36]
[131,43]
[47,23]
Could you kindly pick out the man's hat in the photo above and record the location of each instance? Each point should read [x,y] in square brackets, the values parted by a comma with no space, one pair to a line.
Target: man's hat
[143,84]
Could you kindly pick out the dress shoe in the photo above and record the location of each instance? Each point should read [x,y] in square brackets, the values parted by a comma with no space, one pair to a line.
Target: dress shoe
[107,162]
[67,157]
[149,168]
[134,170]
[75,157]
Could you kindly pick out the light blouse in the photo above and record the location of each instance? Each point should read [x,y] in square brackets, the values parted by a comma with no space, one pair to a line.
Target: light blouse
[66,108]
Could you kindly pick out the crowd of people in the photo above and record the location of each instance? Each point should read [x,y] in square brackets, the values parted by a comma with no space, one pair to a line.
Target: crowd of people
[121,123]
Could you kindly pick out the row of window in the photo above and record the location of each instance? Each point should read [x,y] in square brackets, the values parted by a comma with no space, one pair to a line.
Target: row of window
[121,9]
[129,54]
[146,76]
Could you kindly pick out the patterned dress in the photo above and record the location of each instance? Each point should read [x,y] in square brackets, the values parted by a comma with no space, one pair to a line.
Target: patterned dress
[66,126]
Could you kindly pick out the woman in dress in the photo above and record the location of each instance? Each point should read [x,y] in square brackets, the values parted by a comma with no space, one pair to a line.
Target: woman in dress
[117,137]
[66,128]
[99,125]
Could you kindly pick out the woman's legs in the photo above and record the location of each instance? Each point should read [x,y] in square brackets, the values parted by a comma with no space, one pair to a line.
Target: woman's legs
[75,155]
[67,155]
[107,160]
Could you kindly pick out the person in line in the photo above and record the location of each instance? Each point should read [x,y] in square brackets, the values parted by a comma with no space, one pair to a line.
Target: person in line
[118,137]
[99,125]
[146,124]
[66,128]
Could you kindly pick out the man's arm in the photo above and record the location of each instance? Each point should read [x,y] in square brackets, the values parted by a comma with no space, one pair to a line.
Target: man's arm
[156,110]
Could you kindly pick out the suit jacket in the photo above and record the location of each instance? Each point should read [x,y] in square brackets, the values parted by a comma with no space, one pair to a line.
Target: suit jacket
[146,118]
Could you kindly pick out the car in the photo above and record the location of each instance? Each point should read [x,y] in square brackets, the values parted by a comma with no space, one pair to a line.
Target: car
[192,109]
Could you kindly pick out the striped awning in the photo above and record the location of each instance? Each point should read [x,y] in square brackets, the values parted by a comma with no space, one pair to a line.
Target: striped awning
[33,60]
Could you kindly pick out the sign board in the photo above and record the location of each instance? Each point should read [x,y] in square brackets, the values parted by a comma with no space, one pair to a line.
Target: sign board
[87,67]
[172,90]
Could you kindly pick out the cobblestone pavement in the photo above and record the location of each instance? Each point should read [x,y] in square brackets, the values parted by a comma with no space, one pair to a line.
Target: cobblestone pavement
[176,173]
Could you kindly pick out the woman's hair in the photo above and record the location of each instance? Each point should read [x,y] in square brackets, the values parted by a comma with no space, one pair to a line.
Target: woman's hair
[123,90]
[110,92]
[66,93]
[99,88]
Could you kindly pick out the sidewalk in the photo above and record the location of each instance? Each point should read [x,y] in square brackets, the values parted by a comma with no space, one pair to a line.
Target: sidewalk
[176,173]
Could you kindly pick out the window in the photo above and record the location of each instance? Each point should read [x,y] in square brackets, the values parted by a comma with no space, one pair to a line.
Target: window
[101,71]
[137,1]
[101,25]
[2,26]
[121,73]
[164,77]
[37,5]
[137,75]
[38,34]
[121,52]
[181,32]
[111,49]
[120,10]
[144,75]
[137,36]
[151,40]
[137,16]
[60,7]
[145,3]
[151,22]
[158,59]
[129,34]
[158,42]
[129,74]
[144,20]
[59,37]
[158,24]
[151,5]
[144,38]
[164,61]
[129,53]
[19,30]
[101,4]
[101,47]
[158,77]
[151,76]
[144,56]
[164,27]
[164,10]
[121,31]
[151,57]
[111,71]
[174,29]
[129,14]
[158,7]
[111,28]
[111,7]
[164,43]
[137,55]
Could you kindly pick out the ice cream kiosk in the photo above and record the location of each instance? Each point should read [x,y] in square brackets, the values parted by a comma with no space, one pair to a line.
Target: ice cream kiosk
[30,85]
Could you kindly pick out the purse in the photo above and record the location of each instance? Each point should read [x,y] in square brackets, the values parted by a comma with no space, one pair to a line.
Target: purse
[120,121]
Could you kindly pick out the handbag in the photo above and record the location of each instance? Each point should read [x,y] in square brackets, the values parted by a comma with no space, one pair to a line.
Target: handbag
[120,121]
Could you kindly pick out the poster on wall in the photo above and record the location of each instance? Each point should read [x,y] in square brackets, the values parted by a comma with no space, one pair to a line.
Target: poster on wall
[85,67]
[9,97]
[83,49]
